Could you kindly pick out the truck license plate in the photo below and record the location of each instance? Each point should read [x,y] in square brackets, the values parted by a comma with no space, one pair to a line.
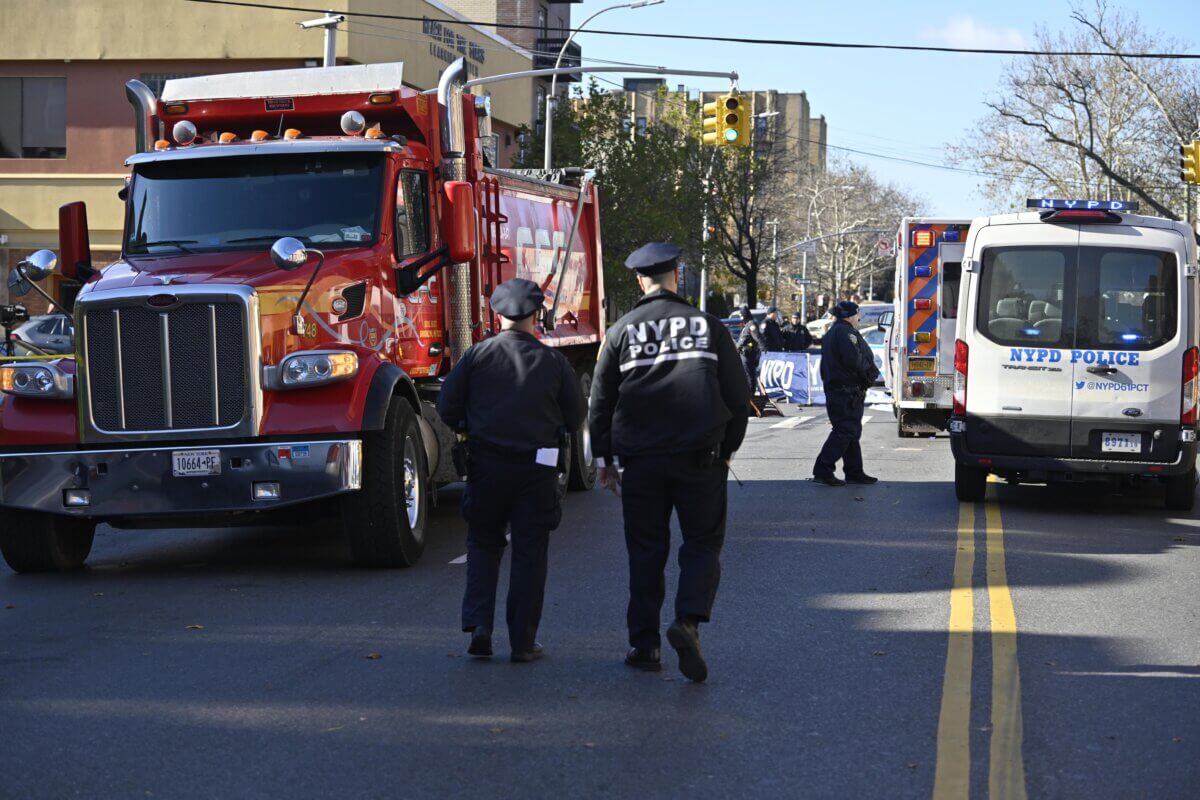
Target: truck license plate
[185,463]
[1121,443]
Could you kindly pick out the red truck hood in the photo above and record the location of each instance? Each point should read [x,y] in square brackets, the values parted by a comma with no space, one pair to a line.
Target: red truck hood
[243,267]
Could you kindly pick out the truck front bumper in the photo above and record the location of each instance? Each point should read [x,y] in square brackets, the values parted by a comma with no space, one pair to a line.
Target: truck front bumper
[141,482]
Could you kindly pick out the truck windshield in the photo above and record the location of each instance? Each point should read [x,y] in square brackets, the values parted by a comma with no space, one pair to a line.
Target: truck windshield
[325,200]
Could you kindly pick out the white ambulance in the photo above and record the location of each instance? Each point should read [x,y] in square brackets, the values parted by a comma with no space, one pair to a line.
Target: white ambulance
[920,368]
[1076,353]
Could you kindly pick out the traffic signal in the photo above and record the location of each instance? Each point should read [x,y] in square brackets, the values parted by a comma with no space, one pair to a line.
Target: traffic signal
[726,122]
[1189,162]
[737,121]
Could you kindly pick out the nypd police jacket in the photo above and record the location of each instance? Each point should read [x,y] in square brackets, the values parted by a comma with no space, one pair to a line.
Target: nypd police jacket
[669,380]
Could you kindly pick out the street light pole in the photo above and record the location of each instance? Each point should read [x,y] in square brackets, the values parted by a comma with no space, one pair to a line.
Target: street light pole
[549,126]
[329,22]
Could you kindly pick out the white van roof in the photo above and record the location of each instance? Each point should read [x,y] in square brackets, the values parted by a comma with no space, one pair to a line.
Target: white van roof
[1032,217]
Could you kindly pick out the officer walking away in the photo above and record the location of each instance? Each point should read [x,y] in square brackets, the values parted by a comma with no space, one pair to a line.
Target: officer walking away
[772,334]
[796,334]
[670,403]
[847,371]
[515,397]
[750,344]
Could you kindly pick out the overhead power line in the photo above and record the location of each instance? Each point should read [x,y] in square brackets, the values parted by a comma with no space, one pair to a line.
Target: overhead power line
[912,48]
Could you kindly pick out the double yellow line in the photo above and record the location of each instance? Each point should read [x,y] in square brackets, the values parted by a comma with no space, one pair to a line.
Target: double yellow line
[1006,766]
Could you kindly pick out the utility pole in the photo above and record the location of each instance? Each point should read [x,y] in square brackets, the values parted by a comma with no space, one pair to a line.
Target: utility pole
[775,260]
[329,22]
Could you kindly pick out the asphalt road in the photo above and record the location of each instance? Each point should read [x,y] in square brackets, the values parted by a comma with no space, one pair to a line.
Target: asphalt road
[235,663]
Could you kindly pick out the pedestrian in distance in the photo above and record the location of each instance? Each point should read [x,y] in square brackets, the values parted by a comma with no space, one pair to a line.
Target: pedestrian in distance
[516,399]
[796,334]
[750,345]
[670,403]
[847,371]
[772,334]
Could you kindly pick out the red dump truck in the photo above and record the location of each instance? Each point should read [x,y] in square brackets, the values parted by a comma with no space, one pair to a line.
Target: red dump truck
[306,253]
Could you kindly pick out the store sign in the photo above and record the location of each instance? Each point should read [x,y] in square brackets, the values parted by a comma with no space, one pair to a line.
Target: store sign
[448,45]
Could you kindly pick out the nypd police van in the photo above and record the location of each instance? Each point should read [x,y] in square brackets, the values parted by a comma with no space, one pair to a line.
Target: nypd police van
[1076,349]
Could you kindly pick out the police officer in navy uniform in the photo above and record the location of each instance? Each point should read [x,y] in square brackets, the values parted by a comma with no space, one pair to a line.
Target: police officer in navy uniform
[669,403]
[514,397]
[750,344]
[847,371]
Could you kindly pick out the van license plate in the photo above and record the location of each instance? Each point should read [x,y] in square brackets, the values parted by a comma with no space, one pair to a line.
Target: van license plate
[186,463]
[1121,443]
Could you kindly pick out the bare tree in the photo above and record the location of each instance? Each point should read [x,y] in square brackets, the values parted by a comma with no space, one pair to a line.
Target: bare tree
[1089,125]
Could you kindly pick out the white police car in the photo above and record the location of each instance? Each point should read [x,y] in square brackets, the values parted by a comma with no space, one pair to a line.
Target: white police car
[1076,353]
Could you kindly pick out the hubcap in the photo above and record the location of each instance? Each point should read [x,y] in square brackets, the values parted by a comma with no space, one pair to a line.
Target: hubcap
[412,486]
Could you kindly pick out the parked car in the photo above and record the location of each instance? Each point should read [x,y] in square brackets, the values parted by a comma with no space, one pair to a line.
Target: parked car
[868,314]
[876,338]
[54,333]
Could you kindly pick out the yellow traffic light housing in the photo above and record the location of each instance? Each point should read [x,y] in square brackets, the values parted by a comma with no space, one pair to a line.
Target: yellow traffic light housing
[726,122]
[737,121]
[712,123]
[1189,162]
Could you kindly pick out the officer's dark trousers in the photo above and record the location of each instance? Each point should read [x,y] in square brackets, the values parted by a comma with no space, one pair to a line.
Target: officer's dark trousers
[750,363]
[845,410]
[653,487]
[503,493]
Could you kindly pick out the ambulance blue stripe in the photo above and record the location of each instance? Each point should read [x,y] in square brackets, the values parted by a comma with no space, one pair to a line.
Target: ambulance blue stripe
[927,291]
[929,325]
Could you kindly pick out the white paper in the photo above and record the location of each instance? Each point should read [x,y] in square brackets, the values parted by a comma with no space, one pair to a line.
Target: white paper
[547,456]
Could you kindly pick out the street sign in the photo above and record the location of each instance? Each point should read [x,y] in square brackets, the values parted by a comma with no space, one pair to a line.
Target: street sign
[886,246]
[806,247]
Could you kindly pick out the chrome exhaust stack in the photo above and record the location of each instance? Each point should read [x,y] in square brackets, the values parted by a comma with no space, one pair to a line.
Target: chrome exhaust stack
[454,168]
[145,124]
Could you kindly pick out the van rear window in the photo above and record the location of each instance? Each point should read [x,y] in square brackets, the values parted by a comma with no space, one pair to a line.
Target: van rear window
[1023,294]
[1128,299]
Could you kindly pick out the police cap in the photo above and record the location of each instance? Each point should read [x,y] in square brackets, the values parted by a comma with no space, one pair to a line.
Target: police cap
[517,298]
[654,258]
[845,309]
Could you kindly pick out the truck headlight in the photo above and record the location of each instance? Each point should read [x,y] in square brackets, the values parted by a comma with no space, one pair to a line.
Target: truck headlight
[312,368]
[37,380]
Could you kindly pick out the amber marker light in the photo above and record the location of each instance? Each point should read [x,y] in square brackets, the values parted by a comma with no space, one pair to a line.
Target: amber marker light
[227,137]
[381,99]
[259,136]
[161,144]
[291,133]
[375,133]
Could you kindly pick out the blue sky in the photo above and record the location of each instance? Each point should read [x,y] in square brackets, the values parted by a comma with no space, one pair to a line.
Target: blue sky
[904,104]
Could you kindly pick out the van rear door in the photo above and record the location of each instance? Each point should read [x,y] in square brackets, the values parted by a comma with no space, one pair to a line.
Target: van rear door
[1131,336]
[1020,320]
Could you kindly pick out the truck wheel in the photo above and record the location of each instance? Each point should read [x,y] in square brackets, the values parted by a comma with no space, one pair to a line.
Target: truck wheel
[1181,491]
[384,522]
[583,466]
[36,542]
[970,484]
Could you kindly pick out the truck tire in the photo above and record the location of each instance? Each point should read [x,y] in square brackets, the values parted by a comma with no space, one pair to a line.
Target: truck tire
[1181,491]
[970,484]
[35,542]
[385,521]
[583,466]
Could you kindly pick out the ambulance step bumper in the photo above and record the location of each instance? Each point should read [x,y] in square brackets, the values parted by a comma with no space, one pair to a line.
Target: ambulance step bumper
[116,483]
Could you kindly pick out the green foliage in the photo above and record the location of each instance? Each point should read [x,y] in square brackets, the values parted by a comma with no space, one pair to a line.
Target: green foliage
[649,183]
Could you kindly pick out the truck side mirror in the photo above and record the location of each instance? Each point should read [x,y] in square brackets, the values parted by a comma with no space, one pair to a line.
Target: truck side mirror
[289,253]
[458,221]
[73,241]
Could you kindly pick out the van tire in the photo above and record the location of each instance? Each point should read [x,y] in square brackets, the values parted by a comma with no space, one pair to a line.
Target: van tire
[376,520]
[970,484]
[32,541]
[1181,491]
[583,468]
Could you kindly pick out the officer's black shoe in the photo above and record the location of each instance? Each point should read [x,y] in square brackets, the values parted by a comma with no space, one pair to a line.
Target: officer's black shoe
[828,480]
[532,654]
[481,642]
[647,659]
[864,479]
[684,637]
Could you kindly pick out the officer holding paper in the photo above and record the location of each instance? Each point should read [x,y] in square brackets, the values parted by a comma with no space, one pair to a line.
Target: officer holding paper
[515,398]
[670,403]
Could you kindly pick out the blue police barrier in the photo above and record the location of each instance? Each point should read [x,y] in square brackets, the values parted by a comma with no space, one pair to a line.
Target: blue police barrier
[785,376]
[816,389]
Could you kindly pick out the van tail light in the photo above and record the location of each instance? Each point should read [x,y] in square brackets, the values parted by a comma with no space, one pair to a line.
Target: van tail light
[960,378]
[1191,386]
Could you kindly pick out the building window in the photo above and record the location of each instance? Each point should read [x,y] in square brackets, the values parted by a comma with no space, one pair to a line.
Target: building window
[543,21]
[641,126]
[33,117]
